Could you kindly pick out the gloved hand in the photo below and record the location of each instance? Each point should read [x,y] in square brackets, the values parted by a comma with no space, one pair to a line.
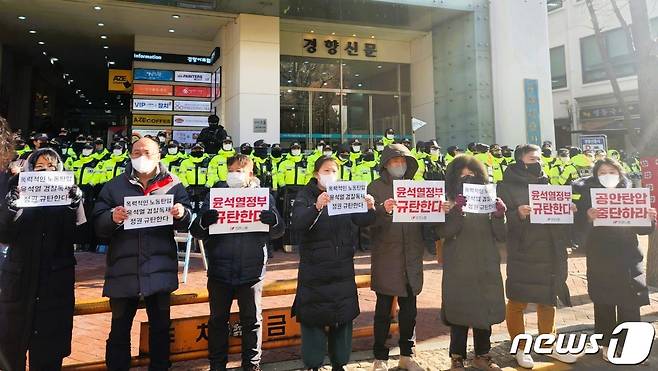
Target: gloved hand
[268,217]
[12,198]
[75,193]
[209,218]
[501,208]
[460,202]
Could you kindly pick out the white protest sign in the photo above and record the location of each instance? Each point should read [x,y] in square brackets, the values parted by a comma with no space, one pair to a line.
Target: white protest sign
[347,198]
[148,211]
[44,188]
[550,204]
[480,198]
[621,207]
[418,202]
[239,209]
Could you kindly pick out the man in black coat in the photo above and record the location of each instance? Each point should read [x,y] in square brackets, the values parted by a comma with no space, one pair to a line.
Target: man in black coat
[236,268]
[140,262]
[212,136]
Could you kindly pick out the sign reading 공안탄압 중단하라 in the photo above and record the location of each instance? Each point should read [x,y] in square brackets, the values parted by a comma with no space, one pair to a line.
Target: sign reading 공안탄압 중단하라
[151,120]
[621,207]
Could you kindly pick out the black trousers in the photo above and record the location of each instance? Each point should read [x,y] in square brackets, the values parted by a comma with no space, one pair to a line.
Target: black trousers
[251,319]
[459,338]
[607,317]
[406,320]
[53,366]
[117,351]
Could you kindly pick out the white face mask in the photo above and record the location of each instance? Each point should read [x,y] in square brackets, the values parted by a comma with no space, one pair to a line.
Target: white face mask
[390,136]
[236,179]
[327,153]
[143,164]
[325,179]
[162,139]
[609,180]
[117,152]
[565,159]
[356,148]
[320,148]
[380,148]
[397,172]
[173,150]
[227,147]
[296,152]
[435,152]
[87,152]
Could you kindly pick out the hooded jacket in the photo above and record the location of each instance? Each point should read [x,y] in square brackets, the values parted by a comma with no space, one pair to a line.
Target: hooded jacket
[397,248]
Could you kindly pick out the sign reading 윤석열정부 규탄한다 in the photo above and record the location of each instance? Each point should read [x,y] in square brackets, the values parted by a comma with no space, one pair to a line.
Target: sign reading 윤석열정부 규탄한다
[480,198]
[346,198]
[44,188]
[239,209]
[419,202]
[148,211]
[550,204]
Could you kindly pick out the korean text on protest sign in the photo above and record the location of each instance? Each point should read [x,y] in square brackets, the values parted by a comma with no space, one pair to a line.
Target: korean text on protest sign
[480,198]
[148,211]
[550,204]
[347,198]
[239,209]
[44,188]
[621,207]
[418,201]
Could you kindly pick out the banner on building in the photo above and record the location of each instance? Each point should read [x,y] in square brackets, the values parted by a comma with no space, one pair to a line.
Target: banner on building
[120,80]
[153,75]
[192,106]
[151,120]
[152,105]
[148,211]
[191,76]
[650,177]
[44,188]
[192,91]
[189,120]
[418,202]
[480,198]
[347,198]
[550,204]
[621,207]
[185,136]
[239,209]
[152,89]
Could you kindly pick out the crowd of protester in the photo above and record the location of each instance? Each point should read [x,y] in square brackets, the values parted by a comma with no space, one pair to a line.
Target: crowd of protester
[37,260]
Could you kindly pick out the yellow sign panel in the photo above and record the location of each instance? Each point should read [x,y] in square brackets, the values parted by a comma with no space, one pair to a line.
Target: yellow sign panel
[191,334]
[120,80]
[152,120]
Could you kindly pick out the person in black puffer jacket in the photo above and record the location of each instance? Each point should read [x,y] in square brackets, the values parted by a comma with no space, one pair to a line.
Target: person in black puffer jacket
[326,302]
[616,282]
[236,268]
[37,275]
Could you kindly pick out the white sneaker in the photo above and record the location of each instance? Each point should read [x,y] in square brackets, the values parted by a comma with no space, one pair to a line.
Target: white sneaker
[409,364]
[524,360]
[564,358]
[379,365]
[604,353]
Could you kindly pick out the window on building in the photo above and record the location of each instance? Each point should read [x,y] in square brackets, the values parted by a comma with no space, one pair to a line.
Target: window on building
[619,55]
[554,4]
[654,27]
[558,68]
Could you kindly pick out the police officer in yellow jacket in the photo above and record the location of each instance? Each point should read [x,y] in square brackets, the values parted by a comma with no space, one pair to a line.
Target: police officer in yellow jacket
[86,178]
[345,166]
[276,157]
[451,153]
[580,166]
[497,163]
[194,175]
[433,162]
[355,153]
[114,166]
[292,170]
[218,166]
[379,148]
[389,137]
[173,157]
[559,166]
[316,154]
[368,169]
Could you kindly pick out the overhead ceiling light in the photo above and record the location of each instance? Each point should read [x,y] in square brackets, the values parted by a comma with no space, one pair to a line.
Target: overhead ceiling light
[41,43]
[372,36]
[105,47]
[175,16]
[22,17]
[44,53]
[103,37]
[353,35]
[333,33]
[312,31]
[111,63]
[32,31]
[89,103]
[53,60]
[171,30]
[101,24]
[97,7]
[379,66]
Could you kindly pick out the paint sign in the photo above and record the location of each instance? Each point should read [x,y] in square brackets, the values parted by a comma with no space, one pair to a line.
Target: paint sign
[347,198]
[239,209]
[192,91]
[44,188]
[148,211]
[152,89]
[418,202]
[480,198]
[152,105]
[152,75]
[188,120]
[621,207]
[190,76]
[192,106]
[550,204]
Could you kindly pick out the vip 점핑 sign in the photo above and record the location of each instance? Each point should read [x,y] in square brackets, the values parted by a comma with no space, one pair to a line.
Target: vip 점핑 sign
[152,105]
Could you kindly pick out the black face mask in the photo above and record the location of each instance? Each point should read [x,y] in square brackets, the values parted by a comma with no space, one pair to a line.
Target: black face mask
[534,169]
[246,151]
[343,156]
[260,152]
[546,152]
[213,124]
[276,152]
[196,154]
[369,157]
[507,153]
[497,154]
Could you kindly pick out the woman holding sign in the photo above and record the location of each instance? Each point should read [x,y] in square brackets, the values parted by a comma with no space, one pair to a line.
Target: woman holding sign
[37,274]
[615,267]
[326,302]
[472,288]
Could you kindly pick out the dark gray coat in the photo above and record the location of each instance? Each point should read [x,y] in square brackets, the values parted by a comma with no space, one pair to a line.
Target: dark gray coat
[140,261]
[472,287]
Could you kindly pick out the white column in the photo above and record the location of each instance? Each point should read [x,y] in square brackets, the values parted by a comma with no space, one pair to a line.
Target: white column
[251,77]
[422,86]
[520,50]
